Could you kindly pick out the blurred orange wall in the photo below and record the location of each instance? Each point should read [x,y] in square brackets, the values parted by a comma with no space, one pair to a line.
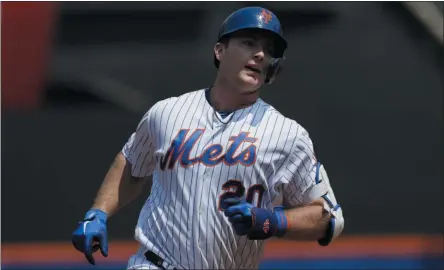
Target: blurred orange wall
[27,29]
[388,246]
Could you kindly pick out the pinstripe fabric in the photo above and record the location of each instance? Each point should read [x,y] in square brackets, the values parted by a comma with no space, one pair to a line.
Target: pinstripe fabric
[193,154]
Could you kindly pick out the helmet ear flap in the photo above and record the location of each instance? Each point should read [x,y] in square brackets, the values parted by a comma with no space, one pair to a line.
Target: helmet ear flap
[273,69]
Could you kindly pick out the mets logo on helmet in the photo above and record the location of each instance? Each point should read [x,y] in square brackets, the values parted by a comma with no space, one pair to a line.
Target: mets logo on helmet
[266,226]
[266,16]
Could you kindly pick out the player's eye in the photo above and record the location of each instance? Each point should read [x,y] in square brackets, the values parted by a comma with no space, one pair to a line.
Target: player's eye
[270,50]
[249,43]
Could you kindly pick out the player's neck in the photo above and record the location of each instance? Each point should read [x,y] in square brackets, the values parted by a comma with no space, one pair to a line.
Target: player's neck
[225,97]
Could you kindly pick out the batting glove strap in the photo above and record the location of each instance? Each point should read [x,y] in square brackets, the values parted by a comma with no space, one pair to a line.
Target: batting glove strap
[96,214]
[267,223]
[264,224]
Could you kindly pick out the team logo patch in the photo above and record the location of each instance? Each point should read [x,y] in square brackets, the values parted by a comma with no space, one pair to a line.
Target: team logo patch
[266,16]
[266,227]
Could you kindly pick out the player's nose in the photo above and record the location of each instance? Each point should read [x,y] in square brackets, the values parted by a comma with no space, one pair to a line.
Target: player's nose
[259,55]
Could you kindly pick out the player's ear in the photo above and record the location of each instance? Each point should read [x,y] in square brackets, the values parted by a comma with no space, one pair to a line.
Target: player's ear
[219,50]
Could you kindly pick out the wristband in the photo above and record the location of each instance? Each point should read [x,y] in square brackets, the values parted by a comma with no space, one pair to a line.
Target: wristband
[281,222]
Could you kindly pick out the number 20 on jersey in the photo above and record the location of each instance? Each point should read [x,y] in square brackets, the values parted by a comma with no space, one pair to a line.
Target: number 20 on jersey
[235,189]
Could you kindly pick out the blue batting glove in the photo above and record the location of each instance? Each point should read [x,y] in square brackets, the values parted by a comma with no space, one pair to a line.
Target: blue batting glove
[91,235]
[256,223]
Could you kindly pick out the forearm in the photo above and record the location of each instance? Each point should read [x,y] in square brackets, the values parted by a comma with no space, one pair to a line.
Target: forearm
[307,222]
[119,188]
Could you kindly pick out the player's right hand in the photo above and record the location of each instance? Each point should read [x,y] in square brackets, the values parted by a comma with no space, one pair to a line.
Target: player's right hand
[91,235]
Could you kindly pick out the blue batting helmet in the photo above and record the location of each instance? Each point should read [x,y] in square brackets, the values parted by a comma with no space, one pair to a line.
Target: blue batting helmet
[257,18]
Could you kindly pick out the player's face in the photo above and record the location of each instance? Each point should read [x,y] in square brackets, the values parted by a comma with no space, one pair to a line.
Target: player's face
[245,59]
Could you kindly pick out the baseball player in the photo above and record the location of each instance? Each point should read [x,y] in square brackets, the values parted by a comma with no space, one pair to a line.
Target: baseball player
[228,170]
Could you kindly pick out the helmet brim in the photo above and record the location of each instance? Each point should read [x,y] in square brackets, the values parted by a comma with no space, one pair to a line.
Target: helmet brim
[279,40]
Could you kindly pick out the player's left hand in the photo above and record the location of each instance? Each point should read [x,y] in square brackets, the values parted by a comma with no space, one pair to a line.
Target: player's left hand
[239,214]
[256,223]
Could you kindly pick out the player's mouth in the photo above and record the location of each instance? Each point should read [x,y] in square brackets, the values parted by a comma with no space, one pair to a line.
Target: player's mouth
[254,69]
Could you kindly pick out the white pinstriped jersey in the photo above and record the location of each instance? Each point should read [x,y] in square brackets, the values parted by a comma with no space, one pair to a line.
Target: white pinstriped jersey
[196,158]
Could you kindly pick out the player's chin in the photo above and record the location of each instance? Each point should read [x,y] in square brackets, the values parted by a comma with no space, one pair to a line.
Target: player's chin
[251,83]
